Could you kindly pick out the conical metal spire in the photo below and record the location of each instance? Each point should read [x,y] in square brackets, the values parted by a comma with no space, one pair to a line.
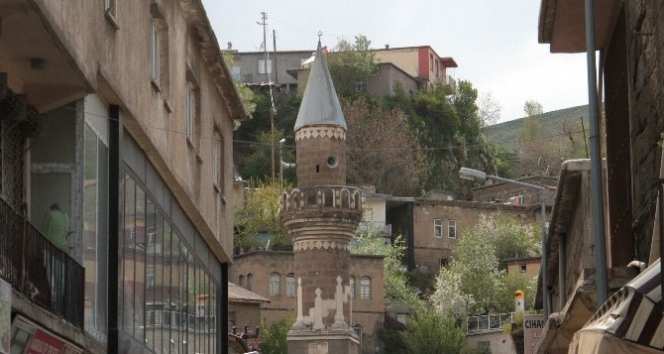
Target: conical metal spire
[320,104]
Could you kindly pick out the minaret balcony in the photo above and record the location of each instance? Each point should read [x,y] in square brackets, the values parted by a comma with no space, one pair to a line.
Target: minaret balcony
[322,198]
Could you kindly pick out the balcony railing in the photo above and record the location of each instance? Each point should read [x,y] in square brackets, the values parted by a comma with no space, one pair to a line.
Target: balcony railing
[37,269]
[489,323]
[376,227]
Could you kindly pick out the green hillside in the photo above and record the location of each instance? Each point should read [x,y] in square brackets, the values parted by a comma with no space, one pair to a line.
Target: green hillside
[507,133]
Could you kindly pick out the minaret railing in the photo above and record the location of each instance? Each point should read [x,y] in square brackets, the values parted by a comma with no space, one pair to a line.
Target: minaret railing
[322,197]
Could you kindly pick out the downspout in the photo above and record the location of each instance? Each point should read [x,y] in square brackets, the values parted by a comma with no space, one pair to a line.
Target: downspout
[595,161]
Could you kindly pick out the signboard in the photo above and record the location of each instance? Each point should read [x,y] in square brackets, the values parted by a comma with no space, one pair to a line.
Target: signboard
[5,315]
[532,332]
[30,338]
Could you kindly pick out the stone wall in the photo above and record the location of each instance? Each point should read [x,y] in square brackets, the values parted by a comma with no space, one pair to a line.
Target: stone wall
[429,250]
[645,19]
[369,313]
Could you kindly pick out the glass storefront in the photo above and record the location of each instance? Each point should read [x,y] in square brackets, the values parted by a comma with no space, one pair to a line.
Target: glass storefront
[170,279]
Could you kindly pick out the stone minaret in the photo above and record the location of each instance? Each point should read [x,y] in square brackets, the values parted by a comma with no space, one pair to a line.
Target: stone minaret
[321,215]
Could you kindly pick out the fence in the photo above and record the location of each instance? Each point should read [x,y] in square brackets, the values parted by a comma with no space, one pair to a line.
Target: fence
[489,323]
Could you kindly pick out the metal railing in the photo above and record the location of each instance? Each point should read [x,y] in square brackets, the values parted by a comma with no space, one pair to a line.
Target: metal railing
[379,228]
[489,323]
[36,268]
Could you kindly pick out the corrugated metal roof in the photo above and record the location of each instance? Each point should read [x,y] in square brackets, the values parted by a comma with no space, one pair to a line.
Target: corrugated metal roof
[320,104]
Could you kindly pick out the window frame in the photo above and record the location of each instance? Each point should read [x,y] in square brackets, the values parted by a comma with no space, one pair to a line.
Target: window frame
[352,286]
[190,112]
[290,285]
[451,225]
[261,66]
[438,228]
[275,284]
[155,54]
[217,159]
[361,86]
[365,288]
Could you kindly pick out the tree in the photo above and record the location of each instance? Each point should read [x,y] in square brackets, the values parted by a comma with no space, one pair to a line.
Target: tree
[273,336]
[429,332]
[245,93]
[532,108]
[473,283]
[381,148]
[490,110]
[259,213]
[351,63]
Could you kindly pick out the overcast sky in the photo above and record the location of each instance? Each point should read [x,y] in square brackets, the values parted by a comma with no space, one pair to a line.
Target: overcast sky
[493,42]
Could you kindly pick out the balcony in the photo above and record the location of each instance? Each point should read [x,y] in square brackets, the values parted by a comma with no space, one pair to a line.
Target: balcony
[375,227]
[489,323]
[34,267]
[322,197]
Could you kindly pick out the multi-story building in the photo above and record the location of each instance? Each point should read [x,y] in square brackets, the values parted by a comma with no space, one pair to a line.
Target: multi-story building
[422,63]
[411,67]
[116,122]
[629,38]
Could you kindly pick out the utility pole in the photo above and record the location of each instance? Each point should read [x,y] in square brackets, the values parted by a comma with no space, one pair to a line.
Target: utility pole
[267,75]
[274,54]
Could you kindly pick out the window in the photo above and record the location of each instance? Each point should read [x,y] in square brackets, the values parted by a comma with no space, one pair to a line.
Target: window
[261,66]
[110,12]
[155,65]
[159,51]
[290,285]
[275,279]
[236,72]
[451,228]
[217,159]
[190,112]
[365,288]
[250,282]
[352,288]
[240,281]
[361,86]
[438,228]
[522,268]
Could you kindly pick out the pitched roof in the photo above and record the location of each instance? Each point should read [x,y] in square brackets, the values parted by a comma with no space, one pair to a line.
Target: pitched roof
[239,294]
[320,104]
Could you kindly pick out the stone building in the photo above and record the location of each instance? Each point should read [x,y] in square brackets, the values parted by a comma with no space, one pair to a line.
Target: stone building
[244,307]
[629,38]
[116,117]
[438,224]
[272,275]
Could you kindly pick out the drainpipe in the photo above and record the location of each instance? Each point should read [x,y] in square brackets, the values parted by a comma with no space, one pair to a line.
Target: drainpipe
[595,161]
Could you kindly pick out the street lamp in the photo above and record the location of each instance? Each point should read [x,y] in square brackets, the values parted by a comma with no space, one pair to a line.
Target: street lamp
[283,164]
[471,174]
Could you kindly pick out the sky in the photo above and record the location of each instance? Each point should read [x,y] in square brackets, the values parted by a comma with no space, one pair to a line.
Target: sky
[493,42]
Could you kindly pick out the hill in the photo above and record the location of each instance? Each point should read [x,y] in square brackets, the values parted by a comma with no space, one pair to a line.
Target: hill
[507,133]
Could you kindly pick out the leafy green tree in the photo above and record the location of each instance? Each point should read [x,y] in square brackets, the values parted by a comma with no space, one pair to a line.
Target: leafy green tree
[429,332]
[273,336]
[259,213]
[350,63]
[532,108]
[396,284]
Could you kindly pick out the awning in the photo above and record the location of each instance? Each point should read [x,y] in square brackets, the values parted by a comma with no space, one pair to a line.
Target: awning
[630,321]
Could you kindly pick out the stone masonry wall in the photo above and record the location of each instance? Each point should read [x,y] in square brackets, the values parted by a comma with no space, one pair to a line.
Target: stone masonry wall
[312,167]
[645,24]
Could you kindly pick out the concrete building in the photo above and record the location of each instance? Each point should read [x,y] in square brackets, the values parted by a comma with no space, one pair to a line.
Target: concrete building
[629,38]
[514,194]
[116,118]
[410,67]
[422,63]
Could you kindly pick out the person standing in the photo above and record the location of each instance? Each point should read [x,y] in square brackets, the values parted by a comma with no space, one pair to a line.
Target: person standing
[56,227]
